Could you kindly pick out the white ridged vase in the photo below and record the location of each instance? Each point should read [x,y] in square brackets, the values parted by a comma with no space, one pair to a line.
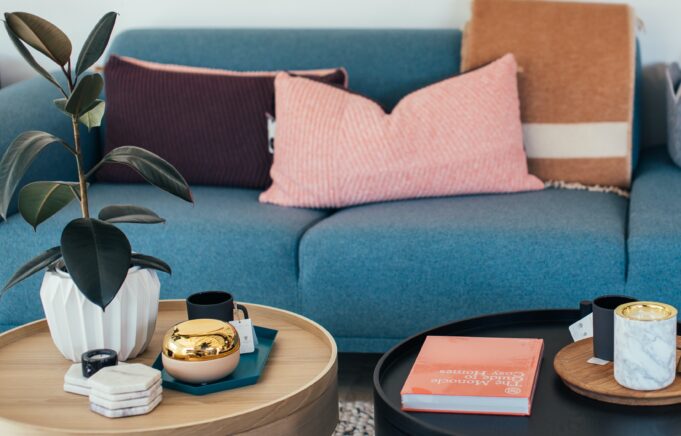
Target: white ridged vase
[78,325]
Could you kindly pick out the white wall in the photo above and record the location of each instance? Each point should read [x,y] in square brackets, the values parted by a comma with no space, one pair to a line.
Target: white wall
[661,41]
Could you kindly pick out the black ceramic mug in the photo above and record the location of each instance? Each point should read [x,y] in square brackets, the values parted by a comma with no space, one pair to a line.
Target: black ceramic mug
[213,305]
[603,324]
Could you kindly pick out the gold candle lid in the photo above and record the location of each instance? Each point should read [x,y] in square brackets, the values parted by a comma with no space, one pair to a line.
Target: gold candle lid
[200,339]
[646,311]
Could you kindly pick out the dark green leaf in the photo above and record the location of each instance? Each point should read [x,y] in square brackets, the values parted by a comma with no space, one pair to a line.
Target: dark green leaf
[84,96]
[61,105]
[41,35]
[96,43]
[153,168]
[33,266]
[40,200]
[28,57]
[144,261]
[16,160]
[128,213]
[97,256]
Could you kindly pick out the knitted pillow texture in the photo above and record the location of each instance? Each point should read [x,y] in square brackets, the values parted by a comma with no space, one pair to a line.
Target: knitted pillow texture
[335,148]
[210,124]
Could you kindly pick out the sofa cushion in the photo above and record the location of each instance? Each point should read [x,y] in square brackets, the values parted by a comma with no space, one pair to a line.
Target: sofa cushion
[209,123]
[461,135]
[392,269]
[654,242]
[227,241]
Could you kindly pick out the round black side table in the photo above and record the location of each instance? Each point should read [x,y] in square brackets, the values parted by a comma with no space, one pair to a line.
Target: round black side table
[556,410]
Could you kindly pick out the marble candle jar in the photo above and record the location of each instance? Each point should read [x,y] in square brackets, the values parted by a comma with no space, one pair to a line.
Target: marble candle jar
[645,345]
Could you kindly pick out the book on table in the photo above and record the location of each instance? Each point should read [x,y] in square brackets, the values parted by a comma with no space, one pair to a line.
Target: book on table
[458,374]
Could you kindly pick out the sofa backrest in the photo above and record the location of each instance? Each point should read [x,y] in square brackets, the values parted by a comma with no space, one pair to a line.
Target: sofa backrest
[382,64]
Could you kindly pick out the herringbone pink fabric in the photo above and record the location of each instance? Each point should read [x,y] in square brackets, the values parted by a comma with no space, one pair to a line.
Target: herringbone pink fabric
[334,148]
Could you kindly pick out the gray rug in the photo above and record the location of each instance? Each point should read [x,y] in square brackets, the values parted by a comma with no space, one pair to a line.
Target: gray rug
[356,419]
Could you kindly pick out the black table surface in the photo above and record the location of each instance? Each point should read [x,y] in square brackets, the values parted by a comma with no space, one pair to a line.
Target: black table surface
[556,410]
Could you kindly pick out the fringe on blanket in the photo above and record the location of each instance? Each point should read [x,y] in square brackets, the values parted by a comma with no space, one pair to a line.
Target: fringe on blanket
[557,184]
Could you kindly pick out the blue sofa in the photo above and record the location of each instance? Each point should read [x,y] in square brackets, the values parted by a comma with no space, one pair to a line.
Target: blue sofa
[371,274]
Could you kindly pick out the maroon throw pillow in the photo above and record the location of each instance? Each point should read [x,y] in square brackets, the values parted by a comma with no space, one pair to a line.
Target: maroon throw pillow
[210,124]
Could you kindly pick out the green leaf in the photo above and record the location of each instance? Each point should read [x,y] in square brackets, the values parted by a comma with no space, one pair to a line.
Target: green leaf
[28,57]
[61,105]
[153,168]
[93,114]
[144,261]
[16,161]
[85,94]
[92,117]
[41,35]
[40,200]
[97,256]
[128,213]
[96,43]
[33,266]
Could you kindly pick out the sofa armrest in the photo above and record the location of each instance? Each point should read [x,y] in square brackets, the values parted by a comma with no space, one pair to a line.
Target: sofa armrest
[654,239]
[28,105]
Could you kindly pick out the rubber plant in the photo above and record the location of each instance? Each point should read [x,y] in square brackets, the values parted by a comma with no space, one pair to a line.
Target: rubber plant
[95,252]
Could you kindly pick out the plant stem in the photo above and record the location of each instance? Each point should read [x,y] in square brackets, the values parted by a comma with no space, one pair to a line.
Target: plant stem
[81,176]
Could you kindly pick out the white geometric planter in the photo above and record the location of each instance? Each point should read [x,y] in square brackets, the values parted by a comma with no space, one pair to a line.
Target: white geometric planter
[78,325]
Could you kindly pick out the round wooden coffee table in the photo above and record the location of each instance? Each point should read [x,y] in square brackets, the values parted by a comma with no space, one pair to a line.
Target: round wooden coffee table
[297,394]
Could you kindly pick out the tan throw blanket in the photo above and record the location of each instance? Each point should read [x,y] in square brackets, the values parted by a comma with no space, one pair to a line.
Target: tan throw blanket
[577,63]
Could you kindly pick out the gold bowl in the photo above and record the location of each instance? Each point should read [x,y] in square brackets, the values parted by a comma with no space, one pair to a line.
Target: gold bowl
[201,350]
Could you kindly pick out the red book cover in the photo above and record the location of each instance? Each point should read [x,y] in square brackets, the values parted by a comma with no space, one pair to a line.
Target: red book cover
[473,375]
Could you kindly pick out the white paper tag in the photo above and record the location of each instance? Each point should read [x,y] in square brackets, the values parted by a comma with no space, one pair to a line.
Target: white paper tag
[582,329]
[246,335]
[597,361]
[271,132]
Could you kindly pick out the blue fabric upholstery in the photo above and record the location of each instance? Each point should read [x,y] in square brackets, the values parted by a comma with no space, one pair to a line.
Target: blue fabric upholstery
[371,274]
[391,269]
[28,106]
[5,327]
[654,242]
[227,241]
[383,64]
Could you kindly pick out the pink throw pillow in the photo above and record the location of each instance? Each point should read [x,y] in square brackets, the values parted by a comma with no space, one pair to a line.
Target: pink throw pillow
[462,135]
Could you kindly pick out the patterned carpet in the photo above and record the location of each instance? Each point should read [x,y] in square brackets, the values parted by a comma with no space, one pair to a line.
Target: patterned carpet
[356,419]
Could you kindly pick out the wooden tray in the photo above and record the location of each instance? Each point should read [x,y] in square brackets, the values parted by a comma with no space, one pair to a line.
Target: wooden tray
[598,381]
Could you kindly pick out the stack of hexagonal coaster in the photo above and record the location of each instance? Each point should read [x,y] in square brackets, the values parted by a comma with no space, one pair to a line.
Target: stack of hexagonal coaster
[127,390]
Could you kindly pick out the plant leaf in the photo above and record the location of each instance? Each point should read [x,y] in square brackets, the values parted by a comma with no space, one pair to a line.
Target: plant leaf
[144,261]
[40,200]
[33,266]
[16,161]
[96,43]
[28,57]
[86,93]
[128,213]
[92,116]
[41,35]
[153,168]
[97,256]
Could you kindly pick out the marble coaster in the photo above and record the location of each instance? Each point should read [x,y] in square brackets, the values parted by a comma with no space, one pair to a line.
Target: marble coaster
[75,382]
[75,389]
[129,395]
[134,377]
[130,411]
[124,404]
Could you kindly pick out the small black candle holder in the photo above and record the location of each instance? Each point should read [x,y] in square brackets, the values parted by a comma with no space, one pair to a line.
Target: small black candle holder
[94,360]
